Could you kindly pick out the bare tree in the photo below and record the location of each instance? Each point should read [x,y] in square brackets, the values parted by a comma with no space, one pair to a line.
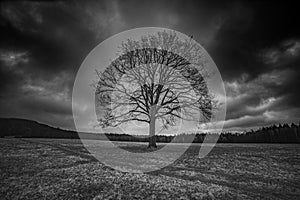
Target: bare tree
[147,84]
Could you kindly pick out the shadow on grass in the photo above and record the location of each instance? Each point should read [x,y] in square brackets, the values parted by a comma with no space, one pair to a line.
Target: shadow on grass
[138,148]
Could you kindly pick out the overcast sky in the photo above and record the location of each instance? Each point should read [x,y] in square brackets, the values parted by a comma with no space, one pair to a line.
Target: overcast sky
[255,44]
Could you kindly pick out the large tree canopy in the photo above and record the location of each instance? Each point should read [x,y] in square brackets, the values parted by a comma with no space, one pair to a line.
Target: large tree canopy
[146,84]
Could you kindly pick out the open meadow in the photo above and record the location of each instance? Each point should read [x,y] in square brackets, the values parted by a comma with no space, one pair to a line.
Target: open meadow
[64,169]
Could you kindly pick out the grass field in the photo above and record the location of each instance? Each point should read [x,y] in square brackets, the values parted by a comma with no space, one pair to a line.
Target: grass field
[64,169]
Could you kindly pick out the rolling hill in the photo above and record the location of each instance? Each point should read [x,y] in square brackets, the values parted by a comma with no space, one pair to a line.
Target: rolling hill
[13,127]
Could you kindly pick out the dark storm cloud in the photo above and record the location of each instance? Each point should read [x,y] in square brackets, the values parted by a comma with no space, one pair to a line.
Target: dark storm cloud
[55,38]
[198,18]
[255,44]
[41,48]
[272,97]
[257,52]
[250,28]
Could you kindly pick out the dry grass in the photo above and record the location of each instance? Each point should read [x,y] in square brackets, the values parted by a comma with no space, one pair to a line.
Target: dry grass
[63,169]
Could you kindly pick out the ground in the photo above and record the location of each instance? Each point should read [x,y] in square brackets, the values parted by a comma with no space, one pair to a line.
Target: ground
[64,169]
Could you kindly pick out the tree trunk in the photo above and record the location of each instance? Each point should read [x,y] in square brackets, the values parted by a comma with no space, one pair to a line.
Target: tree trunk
[152,138]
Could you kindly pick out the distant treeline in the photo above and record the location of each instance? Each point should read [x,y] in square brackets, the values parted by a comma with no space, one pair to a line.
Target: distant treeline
[30,129]
[273,134]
